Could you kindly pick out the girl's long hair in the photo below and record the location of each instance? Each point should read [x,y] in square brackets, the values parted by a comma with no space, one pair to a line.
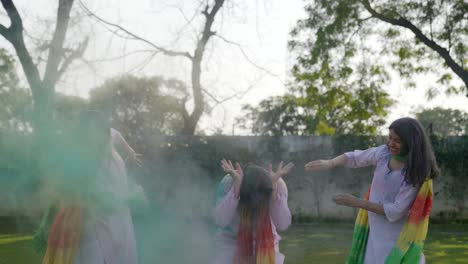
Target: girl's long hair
[254,205]
[421,162]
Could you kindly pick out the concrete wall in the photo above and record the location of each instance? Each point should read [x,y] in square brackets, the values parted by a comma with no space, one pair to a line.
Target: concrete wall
[182,184]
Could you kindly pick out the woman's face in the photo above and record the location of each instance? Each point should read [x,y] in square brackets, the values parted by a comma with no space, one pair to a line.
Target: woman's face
[394,142]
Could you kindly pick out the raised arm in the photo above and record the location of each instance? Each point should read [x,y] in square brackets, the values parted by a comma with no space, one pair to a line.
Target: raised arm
[228,193]
[226,202]
[393,211]
[120,143]
[353,159]
[317,165]
[279,210]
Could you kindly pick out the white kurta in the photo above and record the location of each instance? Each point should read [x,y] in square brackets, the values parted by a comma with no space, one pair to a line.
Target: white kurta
[107,235]
[390,189]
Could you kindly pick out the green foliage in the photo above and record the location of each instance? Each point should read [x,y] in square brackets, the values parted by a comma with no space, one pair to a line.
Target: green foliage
[140,107]
[444,122]
[274,116]
[15,101]
[340,73]
[16,105]
[452,156]
[337,36]
[313,111]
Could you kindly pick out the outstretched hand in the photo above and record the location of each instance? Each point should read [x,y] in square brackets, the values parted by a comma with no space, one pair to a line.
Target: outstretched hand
[346,199]
[280,171]
[319,165]
[135,158]
[236,173]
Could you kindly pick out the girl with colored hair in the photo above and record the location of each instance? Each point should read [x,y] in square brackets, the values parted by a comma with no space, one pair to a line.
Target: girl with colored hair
[252,205]
[392,222]
[93,223]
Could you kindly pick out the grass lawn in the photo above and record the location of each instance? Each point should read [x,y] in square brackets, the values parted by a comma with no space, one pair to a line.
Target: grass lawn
[304,243]
[329,243]
[16,249]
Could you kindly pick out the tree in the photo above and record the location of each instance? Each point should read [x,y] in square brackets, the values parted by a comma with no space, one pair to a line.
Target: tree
[140,107]
[195,58]
[444,122]
[15,101]
[318,112]
[16,104]
[413,37]
[58,60]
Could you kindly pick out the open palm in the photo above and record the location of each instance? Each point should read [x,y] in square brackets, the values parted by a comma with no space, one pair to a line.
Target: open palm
[280,171]
[235,172]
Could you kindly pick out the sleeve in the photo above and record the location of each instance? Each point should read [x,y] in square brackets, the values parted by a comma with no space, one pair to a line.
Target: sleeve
[226,202]
[365,158]
[115,136]
[402,203]
[279,210]
[119,142]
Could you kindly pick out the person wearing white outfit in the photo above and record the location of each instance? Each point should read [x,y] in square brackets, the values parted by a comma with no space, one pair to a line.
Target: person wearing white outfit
[107,234]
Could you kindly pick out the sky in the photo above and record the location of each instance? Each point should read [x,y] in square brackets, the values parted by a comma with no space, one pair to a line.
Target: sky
[261,28]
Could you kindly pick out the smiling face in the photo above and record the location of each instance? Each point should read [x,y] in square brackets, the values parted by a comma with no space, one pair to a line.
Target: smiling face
[394,143]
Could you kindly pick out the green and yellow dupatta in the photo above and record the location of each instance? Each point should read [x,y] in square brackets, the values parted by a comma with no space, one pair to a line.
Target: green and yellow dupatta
[410,243]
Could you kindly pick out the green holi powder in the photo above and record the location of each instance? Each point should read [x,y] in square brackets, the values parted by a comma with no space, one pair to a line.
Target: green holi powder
[403,155]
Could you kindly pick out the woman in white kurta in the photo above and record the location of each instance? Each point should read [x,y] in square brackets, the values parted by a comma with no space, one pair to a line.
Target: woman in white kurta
[401,166]
[107,234]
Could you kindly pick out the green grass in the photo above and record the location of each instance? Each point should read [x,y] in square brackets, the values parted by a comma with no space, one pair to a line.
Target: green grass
[302,243]
[329,243]
[16,248]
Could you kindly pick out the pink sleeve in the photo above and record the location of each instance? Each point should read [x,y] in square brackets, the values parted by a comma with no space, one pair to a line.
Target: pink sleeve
[119,142]
[117,139]
[226,204]
[279,209]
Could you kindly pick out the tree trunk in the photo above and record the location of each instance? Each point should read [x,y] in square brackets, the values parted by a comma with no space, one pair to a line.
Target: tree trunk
[43,118]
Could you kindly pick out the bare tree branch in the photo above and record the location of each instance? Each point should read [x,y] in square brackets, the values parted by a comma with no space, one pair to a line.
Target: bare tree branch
[237,95]
[210,12]
[56,51]
[188,21]
[15,18]
[212,96]
[403,22]
[190,124]
[122,56]
[14,34]
[75,54]
[166,52]
[144,63]
[42,89]
[246,57]
[4,31]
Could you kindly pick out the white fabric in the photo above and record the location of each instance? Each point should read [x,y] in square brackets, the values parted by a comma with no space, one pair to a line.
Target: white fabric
[390,189]
[107,235]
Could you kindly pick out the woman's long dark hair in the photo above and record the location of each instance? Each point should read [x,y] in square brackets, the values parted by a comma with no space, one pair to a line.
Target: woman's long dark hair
[421,163]
[254,204]
[256,187]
